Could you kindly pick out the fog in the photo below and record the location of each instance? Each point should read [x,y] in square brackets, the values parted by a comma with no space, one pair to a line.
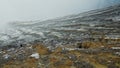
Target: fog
[27,10]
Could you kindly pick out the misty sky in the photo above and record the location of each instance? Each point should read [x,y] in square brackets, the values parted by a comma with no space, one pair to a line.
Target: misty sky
[26,10]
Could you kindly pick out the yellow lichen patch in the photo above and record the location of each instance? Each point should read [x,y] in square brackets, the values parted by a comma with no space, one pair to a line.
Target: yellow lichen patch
[113,40]
[63,66]
[118,64]
[42,50]
[6,66]
[68,62]
[117,59]
[95,60]
[31,60]
[60,62]
[102,60]
[95,63]
[109,56]
[58,50]
[54,59]
[75,52]
[30,63]
[89,44]
[11,66]
[58,53]
[52,66]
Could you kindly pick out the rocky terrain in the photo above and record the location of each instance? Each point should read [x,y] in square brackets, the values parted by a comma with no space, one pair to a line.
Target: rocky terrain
[87,54]
[85,40]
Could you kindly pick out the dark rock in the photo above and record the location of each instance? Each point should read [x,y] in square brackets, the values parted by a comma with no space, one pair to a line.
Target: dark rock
[83,64]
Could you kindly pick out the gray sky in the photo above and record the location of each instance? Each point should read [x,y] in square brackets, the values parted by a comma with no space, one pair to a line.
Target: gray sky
[26,10]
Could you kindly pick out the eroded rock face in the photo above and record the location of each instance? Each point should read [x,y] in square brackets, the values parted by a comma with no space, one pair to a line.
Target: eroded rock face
[92,25]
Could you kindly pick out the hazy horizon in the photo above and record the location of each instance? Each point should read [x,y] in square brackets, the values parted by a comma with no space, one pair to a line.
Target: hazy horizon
[27,10]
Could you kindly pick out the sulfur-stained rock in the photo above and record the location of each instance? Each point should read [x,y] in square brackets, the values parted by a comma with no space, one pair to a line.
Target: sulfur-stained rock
[54,59]
[30,63]
[68,62]
[89,44]
[42,50]
[62,65]
[58,50]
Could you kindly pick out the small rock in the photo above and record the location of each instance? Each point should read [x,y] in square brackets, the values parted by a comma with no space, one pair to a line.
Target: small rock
[11,49]
[6,56]
[117,53]
[35,55]
[115,48]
